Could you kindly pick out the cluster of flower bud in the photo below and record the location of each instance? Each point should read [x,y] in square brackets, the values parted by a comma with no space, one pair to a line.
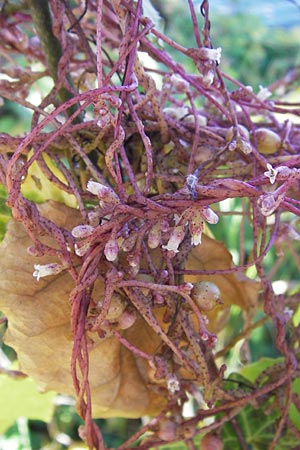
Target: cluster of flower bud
[193,218]
[270,201]
[82,233]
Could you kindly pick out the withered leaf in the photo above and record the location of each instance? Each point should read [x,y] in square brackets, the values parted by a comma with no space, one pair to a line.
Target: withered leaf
[39,330]
[235,287]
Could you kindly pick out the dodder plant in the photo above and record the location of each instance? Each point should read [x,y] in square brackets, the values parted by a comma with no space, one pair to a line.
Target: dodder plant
[114,288]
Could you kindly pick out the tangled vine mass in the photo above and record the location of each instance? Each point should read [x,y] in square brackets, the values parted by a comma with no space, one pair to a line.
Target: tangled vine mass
[116,290]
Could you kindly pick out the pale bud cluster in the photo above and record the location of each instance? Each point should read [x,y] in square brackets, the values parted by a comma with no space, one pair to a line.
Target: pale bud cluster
[270,201]
[281,173]
[194,218]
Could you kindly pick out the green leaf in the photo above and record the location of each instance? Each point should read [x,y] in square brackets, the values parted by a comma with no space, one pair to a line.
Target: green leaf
[251,371]
[5,213]
[256,427]
[294,413]
[22,399]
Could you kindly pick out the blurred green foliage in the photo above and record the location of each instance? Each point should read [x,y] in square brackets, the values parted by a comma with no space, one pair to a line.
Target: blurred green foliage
[251,52]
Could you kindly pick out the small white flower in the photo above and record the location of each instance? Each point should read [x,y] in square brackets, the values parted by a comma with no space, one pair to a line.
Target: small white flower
[191,182]
[173,384]
[46,270]
[211,54]
[263,93]
[176,238]
[271,173]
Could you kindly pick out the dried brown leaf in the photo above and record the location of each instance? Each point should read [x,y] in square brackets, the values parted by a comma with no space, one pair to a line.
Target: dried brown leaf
[235,288]
[39,330]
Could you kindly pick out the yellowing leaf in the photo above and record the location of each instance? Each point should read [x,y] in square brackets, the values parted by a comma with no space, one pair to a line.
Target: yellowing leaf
[20,397]
[38,188]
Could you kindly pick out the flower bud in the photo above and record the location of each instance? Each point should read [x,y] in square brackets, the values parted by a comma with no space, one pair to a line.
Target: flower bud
[268,203]
[111,250]
[196,224]
[116,307]
[129,242]
[242,132]
[167,430]
[210,54]
[82,231]
[206,295]
[94,217]
[210,216]
[268,142]
[154,235]
[211,442]
[190,120]
[126,320]
[173,384]
[179,83]
[104,193]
